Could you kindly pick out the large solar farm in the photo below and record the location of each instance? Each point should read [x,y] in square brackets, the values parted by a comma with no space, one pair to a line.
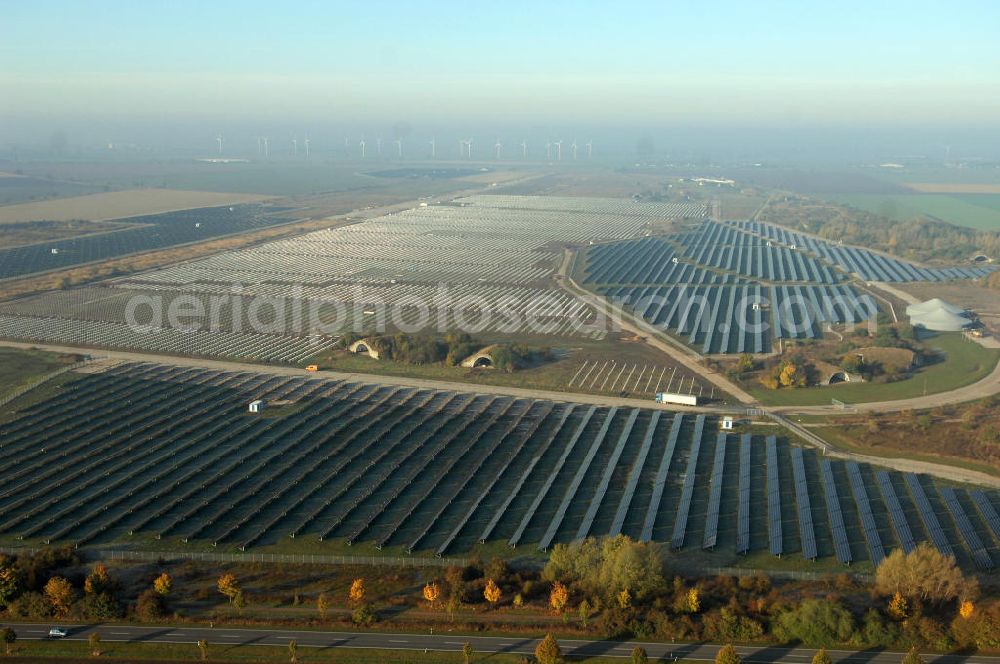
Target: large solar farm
[161,456]
[481,263]
[739,287]
[152,452]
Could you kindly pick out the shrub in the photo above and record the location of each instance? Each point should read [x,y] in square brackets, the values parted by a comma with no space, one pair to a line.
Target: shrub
[816,623]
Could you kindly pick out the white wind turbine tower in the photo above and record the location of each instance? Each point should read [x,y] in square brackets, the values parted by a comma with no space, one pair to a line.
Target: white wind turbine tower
[267,147]
[362,144]
[590,148]
[468,144]
[219,139]
[574,149]
[295,146]
[306,141]
[497,147]
[378,146]
[524,149]
[399,147]
[558,145]
[433,147]
[548,149]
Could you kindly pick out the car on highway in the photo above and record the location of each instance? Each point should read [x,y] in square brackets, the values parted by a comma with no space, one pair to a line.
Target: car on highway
[58,633]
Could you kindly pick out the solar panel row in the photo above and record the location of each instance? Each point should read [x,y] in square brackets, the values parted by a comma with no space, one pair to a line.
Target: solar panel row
[972,540]
[544,491]
[841,547]
[930,519]
[574,486]
[715,494]
[743,514]
[988,511]
[773,498]
[875,548]
[684,508]
[633,476]
[661,479]
[899,523]
[609,469]
[807,531]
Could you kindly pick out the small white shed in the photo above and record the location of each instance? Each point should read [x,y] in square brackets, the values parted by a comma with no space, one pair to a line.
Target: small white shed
[256,406]
[728,423]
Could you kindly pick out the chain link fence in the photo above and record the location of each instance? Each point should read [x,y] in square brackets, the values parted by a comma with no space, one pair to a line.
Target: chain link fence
[267,558]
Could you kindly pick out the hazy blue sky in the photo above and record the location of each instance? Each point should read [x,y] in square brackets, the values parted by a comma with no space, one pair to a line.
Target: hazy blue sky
[643,63]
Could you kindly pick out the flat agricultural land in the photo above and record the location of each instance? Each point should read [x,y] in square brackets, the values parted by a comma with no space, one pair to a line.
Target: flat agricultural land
[144,451]
[973,210]
[119,204]
[955,187]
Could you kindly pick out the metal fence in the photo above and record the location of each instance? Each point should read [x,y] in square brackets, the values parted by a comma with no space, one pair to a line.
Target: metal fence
[267,558]
[785,575]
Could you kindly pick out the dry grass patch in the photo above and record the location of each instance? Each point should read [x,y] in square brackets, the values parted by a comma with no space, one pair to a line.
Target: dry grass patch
[118,204]
[954,187]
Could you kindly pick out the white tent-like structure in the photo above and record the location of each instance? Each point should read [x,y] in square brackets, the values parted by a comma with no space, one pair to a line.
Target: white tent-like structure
[938,315]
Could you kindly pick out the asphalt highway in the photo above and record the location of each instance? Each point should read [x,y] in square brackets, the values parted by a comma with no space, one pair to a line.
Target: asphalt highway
[431,643]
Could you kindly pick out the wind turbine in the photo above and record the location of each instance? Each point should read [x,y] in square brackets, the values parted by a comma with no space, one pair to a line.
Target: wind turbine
[433,147]
[399,147]
[307,146]
[295,146]
[267,147]
[574,149]
[548,149]
[219,139]
[378,146]
[590,148]
[558,145]
[468,144]
[524,149]
[362,144]
[497,147]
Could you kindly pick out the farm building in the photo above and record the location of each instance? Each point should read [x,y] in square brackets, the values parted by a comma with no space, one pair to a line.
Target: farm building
[256,406]
[938,315]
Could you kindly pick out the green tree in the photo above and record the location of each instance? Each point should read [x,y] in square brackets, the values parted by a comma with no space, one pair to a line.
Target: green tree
[913,657]
[9,637]
[727,655]
[815,622]
[548,651]
[606,567]
[639,655]
[10,584]
[822,657]
[467,652]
